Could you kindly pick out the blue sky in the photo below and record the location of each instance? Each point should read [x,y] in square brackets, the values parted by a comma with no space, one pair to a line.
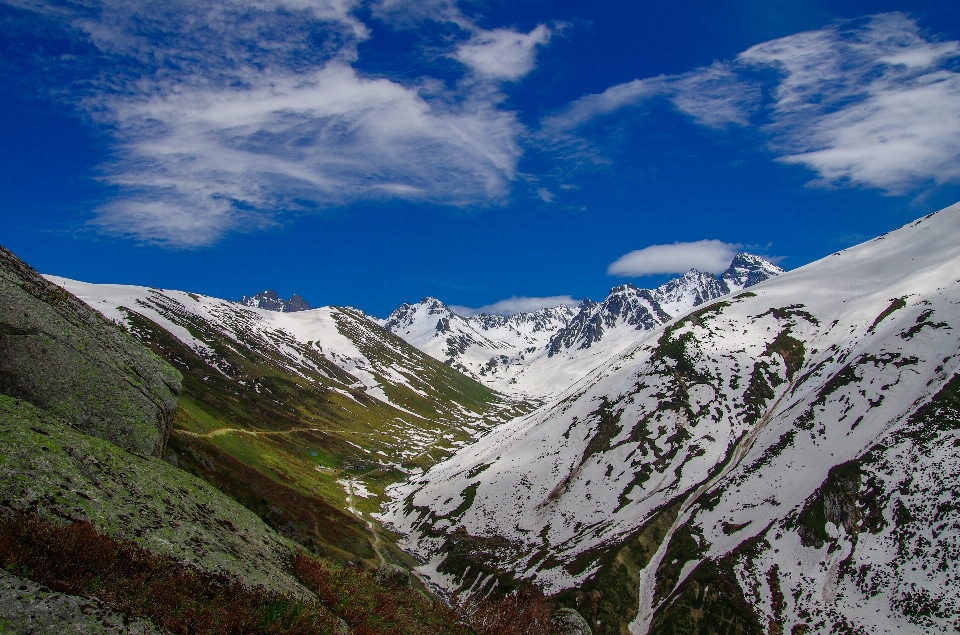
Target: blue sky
[371,152]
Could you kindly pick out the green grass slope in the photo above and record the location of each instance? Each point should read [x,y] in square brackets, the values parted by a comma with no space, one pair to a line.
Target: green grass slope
[274,423]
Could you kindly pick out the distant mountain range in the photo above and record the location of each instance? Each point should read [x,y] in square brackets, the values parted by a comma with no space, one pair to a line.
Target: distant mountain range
[542,352]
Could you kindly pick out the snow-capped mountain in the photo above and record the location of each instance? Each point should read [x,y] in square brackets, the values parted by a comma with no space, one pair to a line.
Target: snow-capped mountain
[542,352]
[784,460]
[270,301]
[336,350]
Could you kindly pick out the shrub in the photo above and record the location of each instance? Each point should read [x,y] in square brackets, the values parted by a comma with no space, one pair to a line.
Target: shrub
[524,612]
[371,604]
[77,559]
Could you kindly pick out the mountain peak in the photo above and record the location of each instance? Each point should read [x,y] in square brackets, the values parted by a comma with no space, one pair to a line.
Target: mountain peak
[747,270]
[270,301]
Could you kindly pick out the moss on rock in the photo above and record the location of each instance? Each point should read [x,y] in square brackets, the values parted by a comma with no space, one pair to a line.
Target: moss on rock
[50,468]
[63,356]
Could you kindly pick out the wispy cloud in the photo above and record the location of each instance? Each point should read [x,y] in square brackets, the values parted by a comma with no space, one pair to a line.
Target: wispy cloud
[869,103]
[714,96]
[712,256]
[323,138]
[229,115]
[503,54]
[517,304]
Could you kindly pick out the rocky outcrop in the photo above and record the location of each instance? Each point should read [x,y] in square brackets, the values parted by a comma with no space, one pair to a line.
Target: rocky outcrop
[270,301]
[49,468]
[61,355]
[28,608]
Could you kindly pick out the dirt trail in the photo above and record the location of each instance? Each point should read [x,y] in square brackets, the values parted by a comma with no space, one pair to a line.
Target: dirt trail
[376,543]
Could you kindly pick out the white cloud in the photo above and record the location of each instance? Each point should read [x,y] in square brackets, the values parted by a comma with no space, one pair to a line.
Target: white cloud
[714,96]
[612,99]
[517,304]
[228,115]
[711,256]
[503,54]
[545,195]
[869,105]
[410,13]
[329,137]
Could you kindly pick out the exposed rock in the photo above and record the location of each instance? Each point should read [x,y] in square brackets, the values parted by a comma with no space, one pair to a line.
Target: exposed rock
[27,608]
[270,301]
[48,467]
[570,622]
[61,355]
[392,574]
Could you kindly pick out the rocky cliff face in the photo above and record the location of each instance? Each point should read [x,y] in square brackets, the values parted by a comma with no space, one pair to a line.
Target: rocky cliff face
[61,355]
[85,413]
[270,301]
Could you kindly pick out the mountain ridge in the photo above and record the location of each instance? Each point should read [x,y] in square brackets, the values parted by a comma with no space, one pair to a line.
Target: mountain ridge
[270,301]
[514,354]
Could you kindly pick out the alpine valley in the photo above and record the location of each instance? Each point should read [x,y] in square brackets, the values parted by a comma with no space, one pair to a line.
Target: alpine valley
[756,452]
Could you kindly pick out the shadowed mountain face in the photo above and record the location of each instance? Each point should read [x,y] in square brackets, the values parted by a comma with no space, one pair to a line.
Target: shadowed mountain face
[774,460]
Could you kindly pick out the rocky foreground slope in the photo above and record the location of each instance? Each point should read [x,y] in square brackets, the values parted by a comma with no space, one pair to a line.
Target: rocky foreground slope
[540,353]
[782,460]
[85,412]
[101,536]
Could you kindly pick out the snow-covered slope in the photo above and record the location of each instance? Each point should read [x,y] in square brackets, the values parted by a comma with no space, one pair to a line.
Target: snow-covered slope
[337,349]
[785,459]
[541,353]
[303,417]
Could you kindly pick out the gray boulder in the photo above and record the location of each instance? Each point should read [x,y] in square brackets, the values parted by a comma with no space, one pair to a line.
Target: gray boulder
[570,622]
[393,575]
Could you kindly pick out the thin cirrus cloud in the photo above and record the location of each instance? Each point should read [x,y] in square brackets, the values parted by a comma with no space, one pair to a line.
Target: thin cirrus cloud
[868,103]
[230,115]
[517,304]
[327,137]
[710,256]
[714,96]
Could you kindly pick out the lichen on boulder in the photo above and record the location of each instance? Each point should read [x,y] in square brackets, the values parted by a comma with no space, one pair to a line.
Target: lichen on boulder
[27,608]
[51,469]
[63,356]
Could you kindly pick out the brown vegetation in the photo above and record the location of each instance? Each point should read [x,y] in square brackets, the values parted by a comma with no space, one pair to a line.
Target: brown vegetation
[77,559]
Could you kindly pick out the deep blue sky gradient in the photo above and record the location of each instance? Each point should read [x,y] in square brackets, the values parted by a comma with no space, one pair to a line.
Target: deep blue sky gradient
[666,178]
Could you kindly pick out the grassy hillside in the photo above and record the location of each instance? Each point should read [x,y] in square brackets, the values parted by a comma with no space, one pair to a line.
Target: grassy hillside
[298,440]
